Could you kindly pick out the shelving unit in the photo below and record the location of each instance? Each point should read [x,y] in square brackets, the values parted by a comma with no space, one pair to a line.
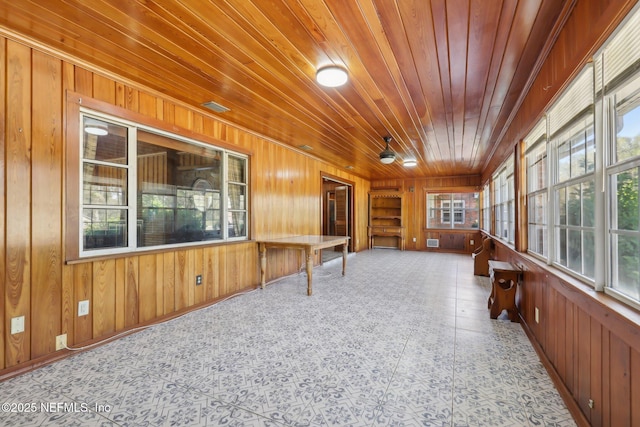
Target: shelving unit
[385,220]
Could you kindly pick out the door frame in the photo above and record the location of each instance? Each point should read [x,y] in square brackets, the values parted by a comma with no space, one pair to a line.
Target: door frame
[324,176]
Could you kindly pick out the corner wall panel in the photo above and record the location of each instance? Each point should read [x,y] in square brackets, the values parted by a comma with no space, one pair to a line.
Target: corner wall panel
[2,197]
[67,324]
[17,276]
[46,198]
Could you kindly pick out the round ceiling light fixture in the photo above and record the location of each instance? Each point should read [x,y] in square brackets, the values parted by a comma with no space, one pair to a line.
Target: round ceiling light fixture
[387,156]
[95,127]
[331,76]
[409,163]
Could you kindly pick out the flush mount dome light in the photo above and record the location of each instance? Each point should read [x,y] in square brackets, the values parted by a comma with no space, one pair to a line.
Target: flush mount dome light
[331,76]
[387,156]
[95,127]
[409,163]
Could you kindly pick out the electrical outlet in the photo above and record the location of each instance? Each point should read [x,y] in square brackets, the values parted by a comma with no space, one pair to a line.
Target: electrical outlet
[61,342]
[83,308]
[472,242]
[199,279]
[537,315]
[414,240]
[17,325]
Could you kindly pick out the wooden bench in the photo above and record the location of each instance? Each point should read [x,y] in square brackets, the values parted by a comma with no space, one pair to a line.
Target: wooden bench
[481,257]
[504,283]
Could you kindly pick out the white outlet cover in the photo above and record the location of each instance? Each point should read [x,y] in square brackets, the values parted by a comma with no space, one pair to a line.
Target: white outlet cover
[17,325]
[83,308]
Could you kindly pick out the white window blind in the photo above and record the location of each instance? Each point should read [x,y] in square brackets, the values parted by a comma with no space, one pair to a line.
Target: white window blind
[536,134]
[618,60]
[572,102]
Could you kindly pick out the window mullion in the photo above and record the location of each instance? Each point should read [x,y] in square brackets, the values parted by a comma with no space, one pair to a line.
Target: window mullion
[224,196]
[132,188]
[600,233]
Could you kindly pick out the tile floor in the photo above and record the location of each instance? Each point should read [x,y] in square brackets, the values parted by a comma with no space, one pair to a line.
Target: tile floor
[404,339]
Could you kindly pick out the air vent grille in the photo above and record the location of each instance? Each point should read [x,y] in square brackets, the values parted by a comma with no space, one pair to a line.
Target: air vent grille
[433,243]
[214,106]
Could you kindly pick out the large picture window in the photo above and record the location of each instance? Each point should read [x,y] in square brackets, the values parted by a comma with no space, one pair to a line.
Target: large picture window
[144,188]
[453,210]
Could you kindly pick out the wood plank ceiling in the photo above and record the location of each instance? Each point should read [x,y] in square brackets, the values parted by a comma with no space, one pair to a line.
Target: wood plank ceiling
[442,77]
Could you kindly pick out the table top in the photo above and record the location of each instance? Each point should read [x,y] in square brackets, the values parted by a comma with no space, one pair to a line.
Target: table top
[311,240]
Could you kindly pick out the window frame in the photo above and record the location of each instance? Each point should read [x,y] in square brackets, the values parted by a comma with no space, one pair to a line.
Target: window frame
[571,122]
[629,94]
[486,208]
[447,206]
[455,211]
[538,154]
[77,106]
[504,202]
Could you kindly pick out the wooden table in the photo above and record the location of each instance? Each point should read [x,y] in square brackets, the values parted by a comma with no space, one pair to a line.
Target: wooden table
[309,245]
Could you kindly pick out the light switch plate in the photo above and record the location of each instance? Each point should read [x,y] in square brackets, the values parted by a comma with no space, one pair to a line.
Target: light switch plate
[17,325]
[83,308]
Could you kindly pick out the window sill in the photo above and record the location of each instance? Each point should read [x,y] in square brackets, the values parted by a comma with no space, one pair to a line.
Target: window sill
[141,252]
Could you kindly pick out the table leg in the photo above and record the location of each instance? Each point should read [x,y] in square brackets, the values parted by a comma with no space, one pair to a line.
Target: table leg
[309,256]
[263,263]
[344,258]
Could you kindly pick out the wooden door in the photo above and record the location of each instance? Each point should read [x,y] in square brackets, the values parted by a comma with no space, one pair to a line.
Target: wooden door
[342,210]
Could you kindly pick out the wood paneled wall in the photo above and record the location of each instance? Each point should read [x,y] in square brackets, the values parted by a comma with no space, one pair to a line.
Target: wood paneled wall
[127,291]
[591,341]
[415,209]
[587,27]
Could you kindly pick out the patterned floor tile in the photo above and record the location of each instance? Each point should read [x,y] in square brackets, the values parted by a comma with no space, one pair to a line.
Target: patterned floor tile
[404,339]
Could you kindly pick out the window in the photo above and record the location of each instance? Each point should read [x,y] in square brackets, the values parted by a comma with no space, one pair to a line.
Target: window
[573,145]
[453,210]
[458,211]
[486,208]
[583,175]
[537,191]
[504,202]
[144,188]
[624,187]
[618,90]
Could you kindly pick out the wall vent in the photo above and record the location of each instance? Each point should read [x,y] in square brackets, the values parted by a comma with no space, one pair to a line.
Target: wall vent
[433,243]
[214,106]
